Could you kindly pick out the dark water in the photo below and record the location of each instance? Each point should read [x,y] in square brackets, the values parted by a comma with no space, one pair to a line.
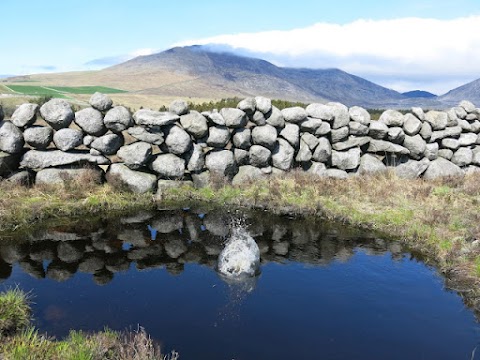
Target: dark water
[325,291]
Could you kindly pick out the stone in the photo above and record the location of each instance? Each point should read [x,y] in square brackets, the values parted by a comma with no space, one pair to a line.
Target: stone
[468,139]
[118,119]
[336,174]
[247,173]
[265,135]
[452,118]
[90,121]
[460,112]
[135,181]
[452,144]
[135,155]
[381,146]
[25,115]
[242,138]
[219,136]
[475,159]
[416,145]
[8,163]
[57,113]
[38,137]
[378,130]
[275,118]
[341,116]
[147,117]
[263,104]
[396,135]
[412,125]
[259,156]
[431,151]
[370,164]
[465,125]
[100,101]
[445,153]
[106,144]
[351,142]
[151,137]
[357,129]
[59,176]
[36,159]
[234,118]
[340,134]
[411,169]
[178,107]
[324,129]
[419,113]
[318,169]
[23,178]
[392,118]
[310,140]
[311,125]
[248,106]
[201,180]
[442,168]
[304,153]
[196,159]
[475,126]
[467,105]
[195,124]
[346,160]
[462,157]
[11,138]
[258,118]
[216,118]
[68,139]
[178,141]
[451,132]
[437,119]
[323,151]
[283,155]
[294,114]
[168,166]
[359,115]
[242,157]
[291,133]
[221,162]
[320,111]
[426,131]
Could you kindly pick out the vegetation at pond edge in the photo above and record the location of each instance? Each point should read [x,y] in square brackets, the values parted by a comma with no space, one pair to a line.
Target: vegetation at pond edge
[20,340]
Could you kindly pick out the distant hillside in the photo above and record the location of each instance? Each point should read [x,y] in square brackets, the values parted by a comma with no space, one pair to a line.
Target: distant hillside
[470,91]
[419,94]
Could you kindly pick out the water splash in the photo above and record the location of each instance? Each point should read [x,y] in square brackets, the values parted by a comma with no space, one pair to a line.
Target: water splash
[240,259]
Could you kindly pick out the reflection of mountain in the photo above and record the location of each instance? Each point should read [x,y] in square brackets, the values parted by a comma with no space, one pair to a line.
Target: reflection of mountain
[183,237]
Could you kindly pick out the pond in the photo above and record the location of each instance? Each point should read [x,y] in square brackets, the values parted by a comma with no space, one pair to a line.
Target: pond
[324,290]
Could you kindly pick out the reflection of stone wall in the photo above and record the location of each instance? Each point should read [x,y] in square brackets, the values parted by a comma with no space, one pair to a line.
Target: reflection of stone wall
[151,148]
[181,237]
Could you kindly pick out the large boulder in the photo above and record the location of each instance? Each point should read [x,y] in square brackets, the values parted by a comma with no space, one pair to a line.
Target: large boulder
[426,131]
[304,153]
[59,176]
[468,139]
[396,135]
[57,113]
[452,144]
[412,125]
[247,105]
[196,159]
[100,101]
[107,144]
[320,111]
[68,139]
[259,156]
[247,173]
[467,105]
[392,118]
[359,115]
[340,134]
[8,163]
[431,151]
[351,142]
[215,118]
[149,136]
[341,116]
[418,112]
[442,168]
[169,166]
[242,138]
[90,121]
[357,129]
[234,118]
[370,164]
[242,157]
[291,133]
[263,104]
[195,124]
[437,119]
[221,162]
[178,141]
[179,107]
[346,160]
[311,125]
[380,146]
[118,119]
[25,115]
[265,135]
[450,132]
[36,159]
[11,138]
[147,117]
[378,130]
[294,114]
[135,155]
[283,155]
[323,151]
[411,169]
[462,157]
[275,118]
[416,145]
[135,181]
[219,136]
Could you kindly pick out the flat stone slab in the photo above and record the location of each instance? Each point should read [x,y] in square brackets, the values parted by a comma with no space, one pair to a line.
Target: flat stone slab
[36,159]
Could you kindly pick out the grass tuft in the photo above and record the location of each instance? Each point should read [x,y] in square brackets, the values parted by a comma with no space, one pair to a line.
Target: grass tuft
[14,311]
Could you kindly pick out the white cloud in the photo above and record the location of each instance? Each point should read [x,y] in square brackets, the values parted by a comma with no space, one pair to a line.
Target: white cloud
[142,52]
[408,50]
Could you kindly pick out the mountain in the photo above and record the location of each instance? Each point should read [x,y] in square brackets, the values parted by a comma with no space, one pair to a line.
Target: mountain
[208,73]
[470,91]
[419,94]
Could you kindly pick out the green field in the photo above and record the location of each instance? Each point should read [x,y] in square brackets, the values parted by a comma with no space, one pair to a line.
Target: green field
[60,91]
[33,90]
[86,89]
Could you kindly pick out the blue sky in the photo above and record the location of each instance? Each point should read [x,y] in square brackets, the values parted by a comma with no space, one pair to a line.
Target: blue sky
[53,35]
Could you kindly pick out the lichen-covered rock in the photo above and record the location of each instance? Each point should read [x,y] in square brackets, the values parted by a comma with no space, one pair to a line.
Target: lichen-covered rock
[247,105]
[294,114]
[291,133]
[304,153]
[341,117]
[263,104]
[419,113]
[91,121]
[221,162]
[442,168]
[437,119]
[378,130]
[168,166]
[452,144]
[412,125]
[100,101]
[11,138]
[68,139]
[357,129]
[359,115]
[396,135]
[351,142]
[468,139]
[275,118]
[324,129]
[234,118]
[451,132]
[107,144]
[445,153]
[411,169]
[147,117]
[392,118]
[283,155]
[196,159]
[370,164]
[346,160]
[426,131]
[179,107]
[150,136]
[242,138]
[36,159]
[416,145]
[259,156]
[136,181]
[467,105]
[178,141]
[25,115]
[320,111]
[38,137]
[431,151]
[340,134]
[195,124]
[118,119]
[57,113]
[462,157]
[380,146]
[265,135]
[219,136]
[311,125]
[323,151]
[135,155]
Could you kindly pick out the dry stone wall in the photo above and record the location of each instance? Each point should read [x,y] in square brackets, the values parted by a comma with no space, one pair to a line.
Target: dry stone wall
[152,149]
